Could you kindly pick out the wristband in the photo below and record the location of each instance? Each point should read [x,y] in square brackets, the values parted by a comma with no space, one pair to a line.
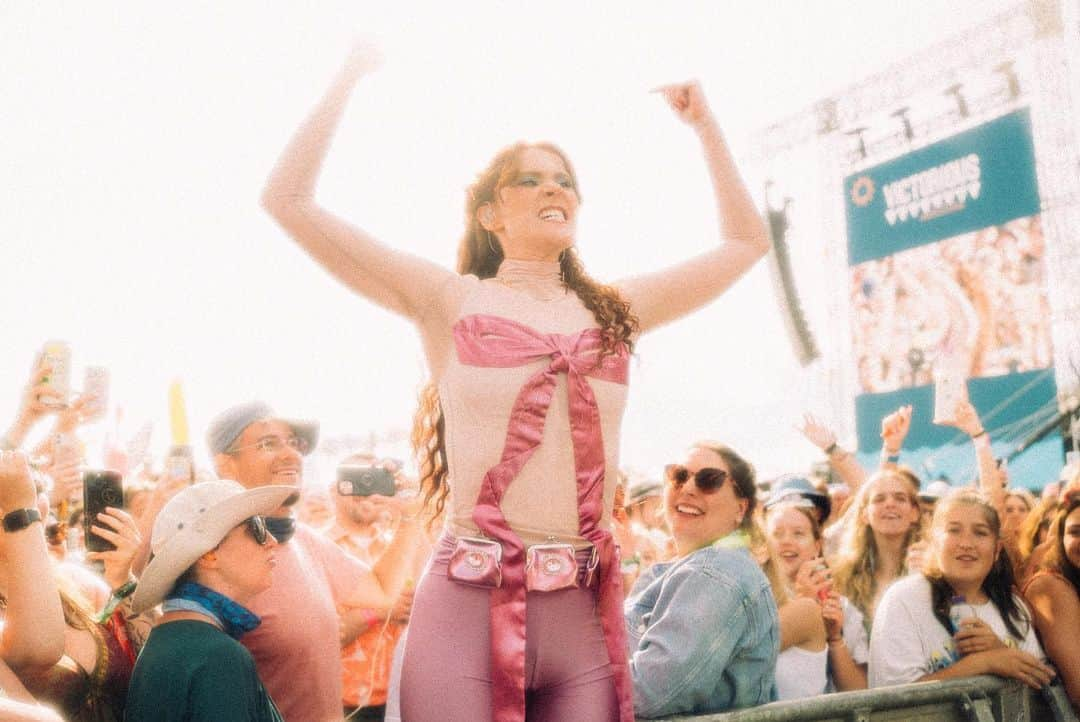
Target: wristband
[830,449]
[20,519]
[117,596]
[891,458]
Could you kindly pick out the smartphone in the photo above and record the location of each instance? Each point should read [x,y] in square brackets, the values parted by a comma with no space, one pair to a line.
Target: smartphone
[101,488]
[950,389]
[58,356]
[364,481]
[96,386]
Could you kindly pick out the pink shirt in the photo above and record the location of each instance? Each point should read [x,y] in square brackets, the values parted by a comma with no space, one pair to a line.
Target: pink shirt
[296,648]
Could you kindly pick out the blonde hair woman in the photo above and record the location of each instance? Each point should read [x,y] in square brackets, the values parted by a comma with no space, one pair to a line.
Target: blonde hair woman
[879,526]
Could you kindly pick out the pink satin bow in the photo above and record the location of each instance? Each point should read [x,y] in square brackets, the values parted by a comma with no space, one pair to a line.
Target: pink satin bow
[499,342]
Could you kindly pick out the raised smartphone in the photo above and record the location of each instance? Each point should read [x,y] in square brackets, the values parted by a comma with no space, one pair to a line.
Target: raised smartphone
[101,488]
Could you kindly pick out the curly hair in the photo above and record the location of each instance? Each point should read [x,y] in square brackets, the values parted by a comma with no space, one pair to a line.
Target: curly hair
[479,254]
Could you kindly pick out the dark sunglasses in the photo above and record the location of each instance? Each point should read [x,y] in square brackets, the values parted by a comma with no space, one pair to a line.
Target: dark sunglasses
[256,527]
[709,479]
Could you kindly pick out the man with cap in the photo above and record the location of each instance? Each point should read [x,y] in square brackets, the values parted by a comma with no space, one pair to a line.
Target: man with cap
[212,556]
[297,646]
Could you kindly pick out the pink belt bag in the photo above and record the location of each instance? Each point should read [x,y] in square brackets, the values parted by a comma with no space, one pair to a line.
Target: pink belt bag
[477,562]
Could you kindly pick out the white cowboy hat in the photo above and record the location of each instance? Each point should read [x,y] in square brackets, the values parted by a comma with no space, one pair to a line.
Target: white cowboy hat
[194,522]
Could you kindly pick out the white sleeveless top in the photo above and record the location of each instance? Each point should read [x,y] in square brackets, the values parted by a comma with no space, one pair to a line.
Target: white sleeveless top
[801,673]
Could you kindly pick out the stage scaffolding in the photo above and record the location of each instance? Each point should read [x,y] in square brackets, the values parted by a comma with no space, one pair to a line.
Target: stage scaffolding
[1027,56]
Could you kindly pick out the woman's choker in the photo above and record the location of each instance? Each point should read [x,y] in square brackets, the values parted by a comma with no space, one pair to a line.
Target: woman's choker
[540,279]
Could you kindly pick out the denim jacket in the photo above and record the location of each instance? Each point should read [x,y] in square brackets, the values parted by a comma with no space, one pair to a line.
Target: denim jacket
[703,635]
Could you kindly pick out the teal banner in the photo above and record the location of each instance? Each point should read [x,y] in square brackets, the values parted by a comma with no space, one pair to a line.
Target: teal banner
[948,286]
[981,177]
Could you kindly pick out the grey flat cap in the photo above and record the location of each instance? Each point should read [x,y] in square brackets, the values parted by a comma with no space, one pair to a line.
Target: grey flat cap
[227,426]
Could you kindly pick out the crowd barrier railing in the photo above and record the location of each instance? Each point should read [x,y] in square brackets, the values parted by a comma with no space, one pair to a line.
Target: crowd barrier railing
[973,699]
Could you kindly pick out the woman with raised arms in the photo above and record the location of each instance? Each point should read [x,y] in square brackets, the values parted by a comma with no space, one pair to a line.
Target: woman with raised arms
[519,613]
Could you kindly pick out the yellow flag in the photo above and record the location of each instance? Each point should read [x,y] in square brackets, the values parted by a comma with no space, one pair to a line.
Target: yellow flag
[177,414]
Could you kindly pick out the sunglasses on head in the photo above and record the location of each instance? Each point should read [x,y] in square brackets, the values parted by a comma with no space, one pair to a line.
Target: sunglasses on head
[256,527]
[708,480]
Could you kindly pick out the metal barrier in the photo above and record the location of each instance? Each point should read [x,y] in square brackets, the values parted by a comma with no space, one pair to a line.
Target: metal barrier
[974,699]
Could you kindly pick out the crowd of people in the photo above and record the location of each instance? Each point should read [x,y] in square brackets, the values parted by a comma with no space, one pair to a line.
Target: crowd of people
[520,576]
[246,597]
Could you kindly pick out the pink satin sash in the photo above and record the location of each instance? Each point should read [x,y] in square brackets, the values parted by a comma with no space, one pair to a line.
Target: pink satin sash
[492,341]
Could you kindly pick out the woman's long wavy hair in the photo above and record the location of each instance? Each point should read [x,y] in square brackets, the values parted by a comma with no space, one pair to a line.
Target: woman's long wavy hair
[479,254]
[1037,522]
[999,582]
[1056,560]
[858,558]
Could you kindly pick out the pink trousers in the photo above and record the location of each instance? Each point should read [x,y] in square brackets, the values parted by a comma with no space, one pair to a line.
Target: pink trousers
[446,674]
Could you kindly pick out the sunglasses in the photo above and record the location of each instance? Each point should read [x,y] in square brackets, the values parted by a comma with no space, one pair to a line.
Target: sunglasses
[708,480]
[256,527]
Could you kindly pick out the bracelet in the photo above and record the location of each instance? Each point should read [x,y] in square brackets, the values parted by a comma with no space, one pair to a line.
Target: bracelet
[890,458]
[117,596]
[981,433]
[830,449]
[838,640]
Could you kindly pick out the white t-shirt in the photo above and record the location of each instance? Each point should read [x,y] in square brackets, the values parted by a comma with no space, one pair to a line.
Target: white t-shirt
[907,641]
[854,631]
[801,673]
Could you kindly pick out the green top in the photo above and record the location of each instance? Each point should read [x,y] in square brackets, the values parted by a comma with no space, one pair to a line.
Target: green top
[191,671]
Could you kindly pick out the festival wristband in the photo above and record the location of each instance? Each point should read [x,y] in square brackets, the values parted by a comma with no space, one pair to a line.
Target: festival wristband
[115,599]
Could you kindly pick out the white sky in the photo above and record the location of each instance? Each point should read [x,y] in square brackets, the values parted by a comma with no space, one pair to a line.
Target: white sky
[136,138]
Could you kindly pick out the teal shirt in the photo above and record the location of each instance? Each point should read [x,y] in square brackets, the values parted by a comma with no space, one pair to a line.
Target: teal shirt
[190,671]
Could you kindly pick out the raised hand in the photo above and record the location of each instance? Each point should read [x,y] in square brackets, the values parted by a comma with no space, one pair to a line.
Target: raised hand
[688,101]
[967,418]
[895,427]
[816,432]
[364,58]
[116,526]
[81,409]
[38,399]
[65,468]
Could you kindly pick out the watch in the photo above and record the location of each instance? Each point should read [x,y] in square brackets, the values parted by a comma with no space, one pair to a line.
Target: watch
[20,519]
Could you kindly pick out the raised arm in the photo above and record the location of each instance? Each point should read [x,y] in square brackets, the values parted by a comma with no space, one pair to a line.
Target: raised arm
[399,282]
[991,481]
[894,429]
[842,461]
[663,296]
[33,635]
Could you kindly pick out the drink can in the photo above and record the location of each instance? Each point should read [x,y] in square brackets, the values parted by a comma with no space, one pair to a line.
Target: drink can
[58,355]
